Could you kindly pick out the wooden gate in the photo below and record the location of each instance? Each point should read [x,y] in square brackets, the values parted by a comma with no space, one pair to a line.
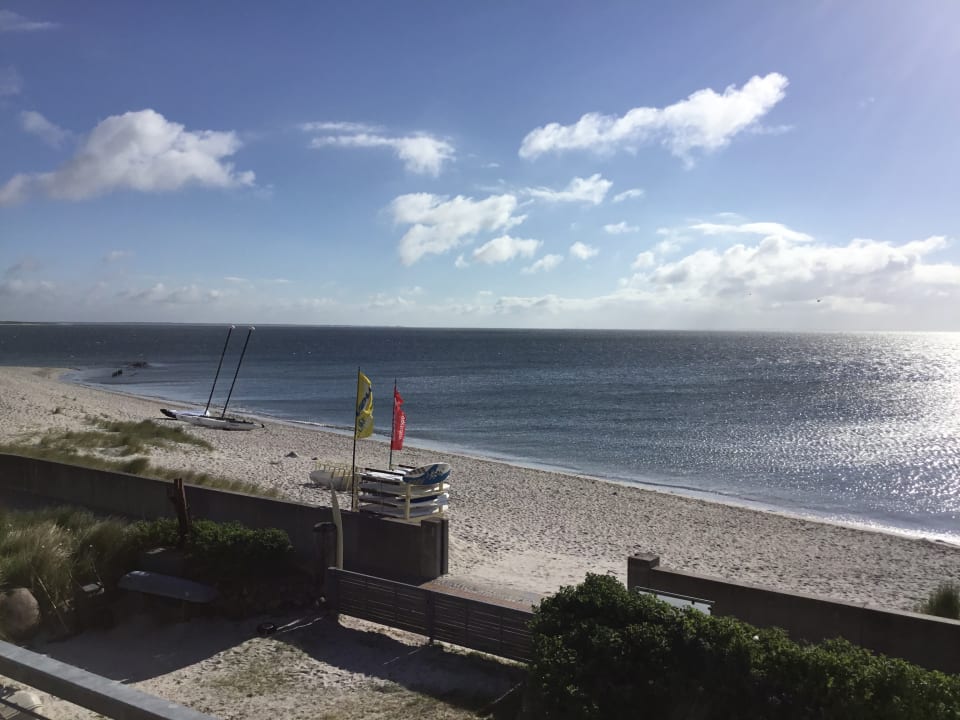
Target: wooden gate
[476,624]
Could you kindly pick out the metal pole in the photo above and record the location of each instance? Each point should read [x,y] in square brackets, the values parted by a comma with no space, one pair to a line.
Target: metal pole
[393,424]
[242,352]
[353,465]
[219,365]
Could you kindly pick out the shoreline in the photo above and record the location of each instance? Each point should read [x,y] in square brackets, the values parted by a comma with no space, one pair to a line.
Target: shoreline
[952,539]
[528,531]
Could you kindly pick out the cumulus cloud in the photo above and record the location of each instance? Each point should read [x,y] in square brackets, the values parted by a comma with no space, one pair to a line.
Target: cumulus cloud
[504,248]
[544,264]
[36,124]
[629,194]
[704,121]
[582,251]
[591,190]
[421,153]
[13,22]
[10,81]
[116,256]
[620,228]
[140,151]
[644,260]
[439,224]
[18,281]
[764,229]
[783,268]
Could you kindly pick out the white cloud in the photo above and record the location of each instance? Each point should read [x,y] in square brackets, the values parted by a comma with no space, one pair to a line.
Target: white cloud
[591,190]
[340,127]
[12,22]
[20,287]
[644,260]
[629,194]
[791,268]
[136,151]
[764,229]
[544,264]
[504,248]
[15,190]
[36,124]
[460,263]
[581,251]
[161,294]
[705,121]
[440,225]
[421,153]
[10,81]
[620,228]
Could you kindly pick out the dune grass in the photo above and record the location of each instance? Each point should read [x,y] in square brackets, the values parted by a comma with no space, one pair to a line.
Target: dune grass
[120,446]
[943,602]
[122,438]
[53,551]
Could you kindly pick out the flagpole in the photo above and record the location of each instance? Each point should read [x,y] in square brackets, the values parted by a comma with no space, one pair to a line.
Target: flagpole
[353,473]
[393,424]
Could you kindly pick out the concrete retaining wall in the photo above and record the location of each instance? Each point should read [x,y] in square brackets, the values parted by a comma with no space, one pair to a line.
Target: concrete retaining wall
[922,639]
[374,545]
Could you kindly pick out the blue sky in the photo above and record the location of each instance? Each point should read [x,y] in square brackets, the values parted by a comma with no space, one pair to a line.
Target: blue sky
[691,165]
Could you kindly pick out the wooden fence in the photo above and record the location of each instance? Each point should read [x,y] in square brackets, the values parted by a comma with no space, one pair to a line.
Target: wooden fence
[476,624]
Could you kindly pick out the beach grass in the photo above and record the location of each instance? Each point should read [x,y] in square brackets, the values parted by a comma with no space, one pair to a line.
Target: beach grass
[118,446]
[122,438]
[943,602]
[54,550]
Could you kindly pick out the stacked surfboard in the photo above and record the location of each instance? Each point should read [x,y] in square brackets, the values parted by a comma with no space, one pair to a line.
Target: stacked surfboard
[410,494]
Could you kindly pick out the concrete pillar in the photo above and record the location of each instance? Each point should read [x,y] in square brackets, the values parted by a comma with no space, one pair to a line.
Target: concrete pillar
[640,569]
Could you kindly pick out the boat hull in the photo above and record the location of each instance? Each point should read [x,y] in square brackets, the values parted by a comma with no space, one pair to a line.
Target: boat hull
[197,417]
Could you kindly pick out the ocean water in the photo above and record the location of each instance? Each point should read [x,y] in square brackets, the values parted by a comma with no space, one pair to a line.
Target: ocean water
[861,428]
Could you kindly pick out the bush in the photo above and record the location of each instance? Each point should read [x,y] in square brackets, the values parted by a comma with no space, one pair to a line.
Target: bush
[53,551]
[943,602]
[217,552]
[601,651]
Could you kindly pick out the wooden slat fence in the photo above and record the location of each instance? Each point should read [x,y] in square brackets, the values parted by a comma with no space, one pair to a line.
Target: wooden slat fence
[476,624]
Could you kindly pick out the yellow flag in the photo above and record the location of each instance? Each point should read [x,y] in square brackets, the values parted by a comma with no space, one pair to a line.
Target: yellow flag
[364,423]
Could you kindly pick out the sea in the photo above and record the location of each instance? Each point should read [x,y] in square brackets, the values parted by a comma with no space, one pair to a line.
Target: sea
[859,428]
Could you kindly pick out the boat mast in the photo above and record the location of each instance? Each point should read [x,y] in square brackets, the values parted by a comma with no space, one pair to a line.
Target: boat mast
[242,352]
[219,365]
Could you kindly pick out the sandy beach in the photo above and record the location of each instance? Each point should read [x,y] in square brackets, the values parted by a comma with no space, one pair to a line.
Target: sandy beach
[524,532]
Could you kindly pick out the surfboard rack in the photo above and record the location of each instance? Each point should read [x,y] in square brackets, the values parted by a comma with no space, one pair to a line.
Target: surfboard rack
[391,494]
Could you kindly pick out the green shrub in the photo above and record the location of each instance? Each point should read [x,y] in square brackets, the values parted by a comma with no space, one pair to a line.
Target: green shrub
[601,651]
[943,602]
[217,552]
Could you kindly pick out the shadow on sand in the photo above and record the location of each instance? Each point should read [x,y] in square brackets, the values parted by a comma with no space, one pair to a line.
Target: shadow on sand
[142,647]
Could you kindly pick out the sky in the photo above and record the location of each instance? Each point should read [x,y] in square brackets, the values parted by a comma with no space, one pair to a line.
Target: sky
[637,165]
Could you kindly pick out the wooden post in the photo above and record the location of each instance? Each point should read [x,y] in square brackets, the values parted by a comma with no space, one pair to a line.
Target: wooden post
[178,497]
[326,551]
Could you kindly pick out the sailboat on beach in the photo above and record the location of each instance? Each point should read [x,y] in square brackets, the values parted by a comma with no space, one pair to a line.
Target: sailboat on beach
[204,418]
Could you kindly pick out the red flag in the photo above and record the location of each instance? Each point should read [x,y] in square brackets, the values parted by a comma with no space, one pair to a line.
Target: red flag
[399,422]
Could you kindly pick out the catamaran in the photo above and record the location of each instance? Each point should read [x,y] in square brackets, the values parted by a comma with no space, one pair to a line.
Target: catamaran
[204,418]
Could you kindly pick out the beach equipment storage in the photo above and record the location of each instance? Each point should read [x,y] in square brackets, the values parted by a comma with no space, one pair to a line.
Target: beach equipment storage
[409,494]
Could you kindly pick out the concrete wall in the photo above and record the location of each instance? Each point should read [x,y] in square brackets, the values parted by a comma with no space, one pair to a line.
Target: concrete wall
[374,545]
[922,639]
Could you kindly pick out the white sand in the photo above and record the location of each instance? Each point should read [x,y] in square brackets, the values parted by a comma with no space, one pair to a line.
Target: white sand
[528,531]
